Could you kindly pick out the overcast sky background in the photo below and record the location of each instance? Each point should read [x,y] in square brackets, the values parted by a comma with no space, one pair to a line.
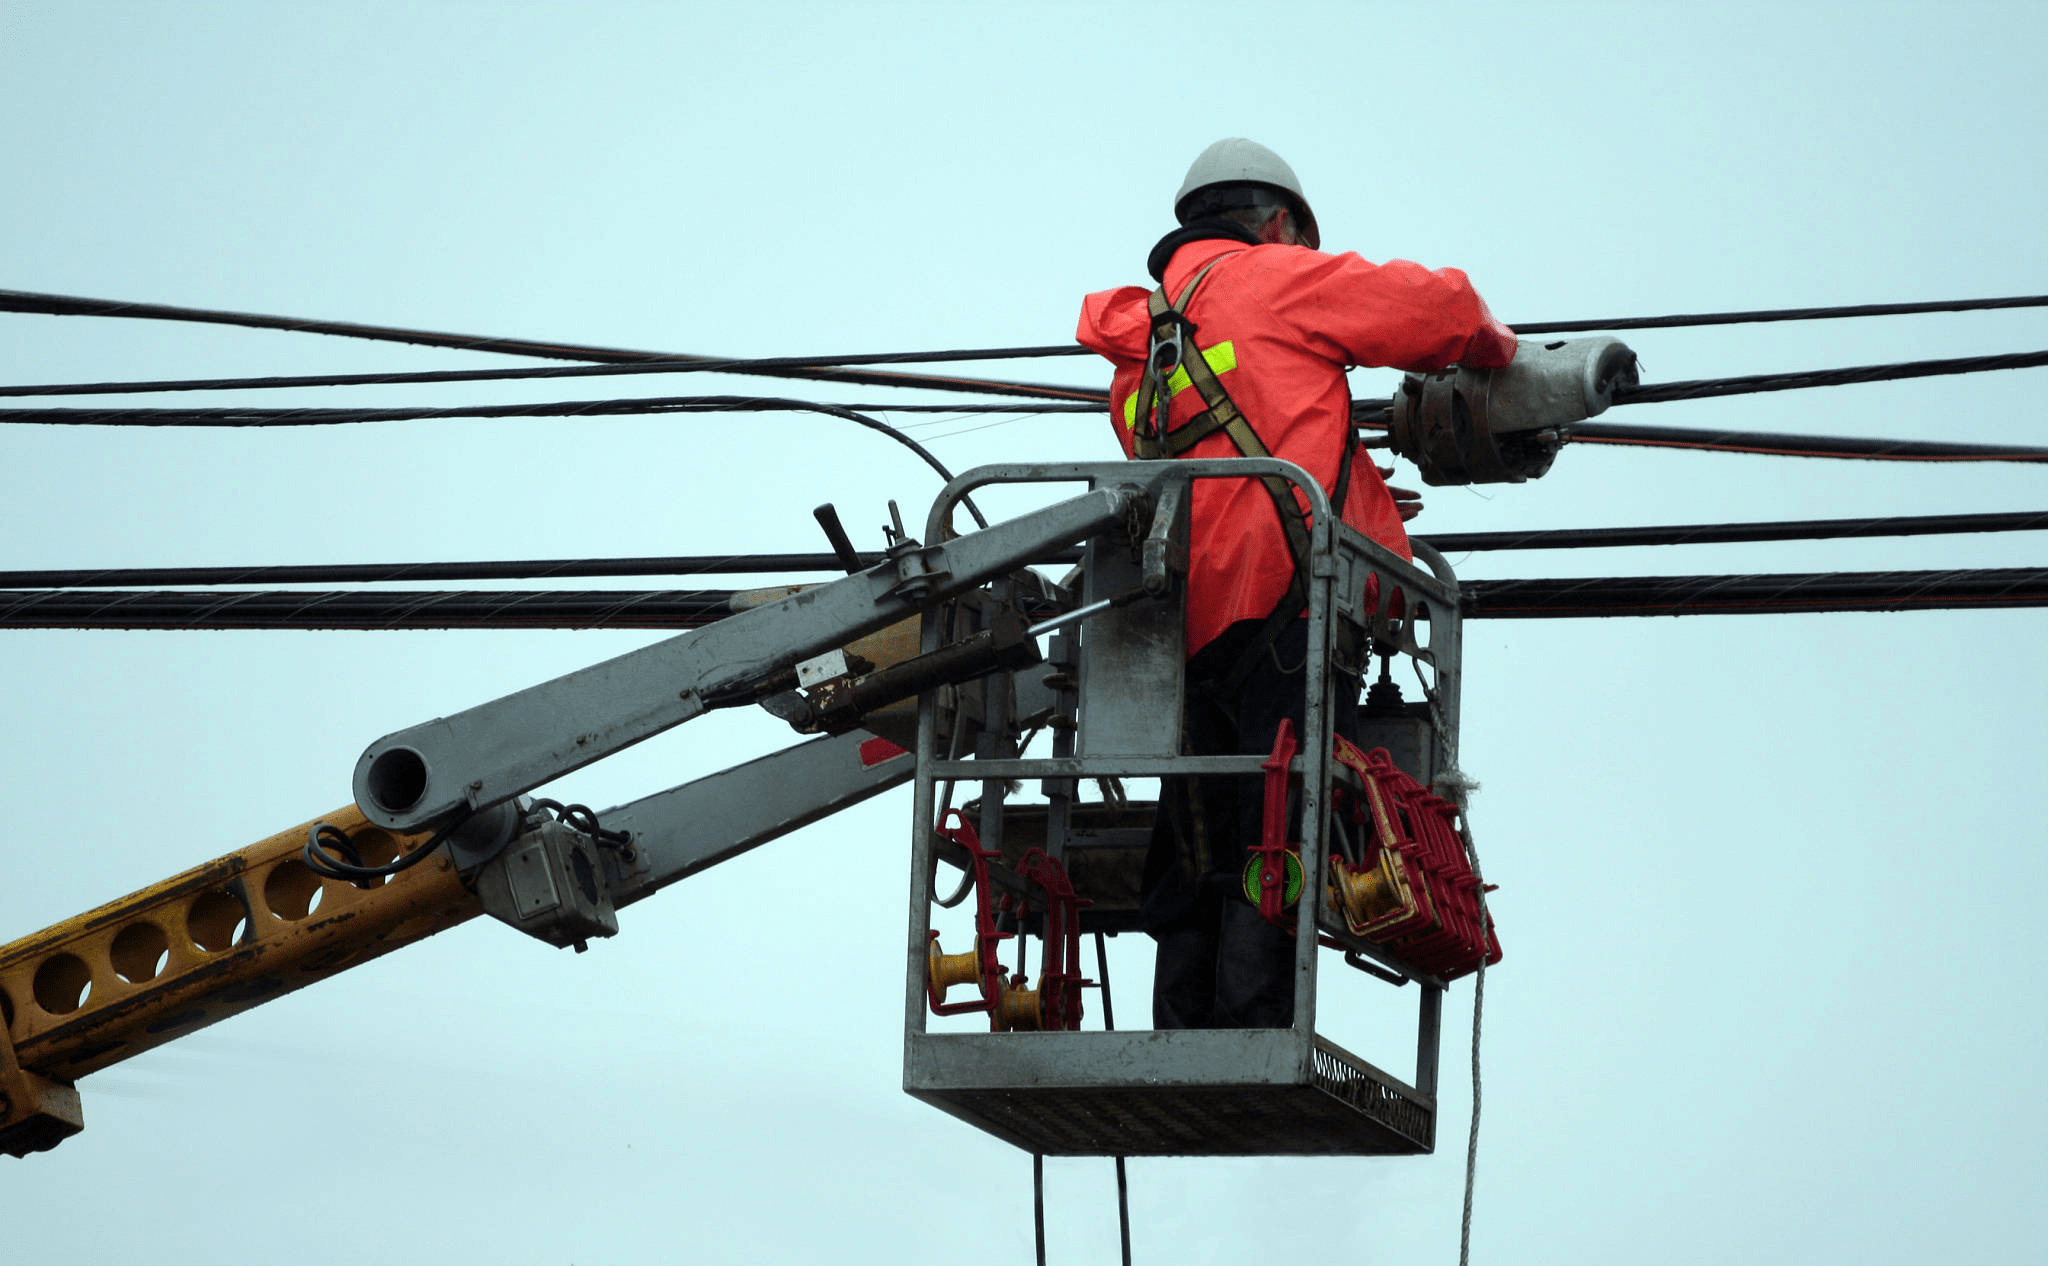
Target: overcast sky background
[1768,884]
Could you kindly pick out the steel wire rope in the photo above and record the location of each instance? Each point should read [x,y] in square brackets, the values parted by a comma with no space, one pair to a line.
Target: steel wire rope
[769,564]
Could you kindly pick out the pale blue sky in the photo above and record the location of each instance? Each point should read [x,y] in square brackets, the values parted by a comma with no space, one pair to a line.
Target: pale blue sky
[1772,979]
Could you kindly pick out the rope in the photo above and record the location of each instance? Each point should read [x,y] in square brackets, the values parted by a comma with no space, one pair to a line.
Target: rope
[1478,1016]
[1754,594]
[71,305]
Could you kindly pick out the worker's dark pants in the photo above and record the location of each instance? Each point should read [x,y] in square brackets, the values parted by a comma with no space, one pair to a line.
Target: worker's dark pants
[1221,966]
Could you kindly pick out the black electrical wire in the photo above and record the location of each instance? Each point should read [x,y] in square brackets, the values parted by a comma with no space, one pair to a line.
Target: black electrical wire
[668,609]
[565,408]
[252,416]
[1781,314]
[664,365]
[362,609]
[374,573]
[72,305]
[1774,444]
[1700,533]
[1756,594]
[777,564]
[1706,388]
[1375,416]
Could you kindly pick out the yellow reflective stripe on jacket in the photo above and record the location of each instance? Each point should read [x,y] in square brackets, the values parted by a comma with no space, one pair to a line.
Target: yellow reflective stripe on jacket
[1222,359]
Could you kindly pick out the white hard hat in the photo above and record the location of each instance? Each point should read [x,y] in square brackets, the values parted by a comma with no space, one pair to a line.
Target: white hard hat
[1235,160]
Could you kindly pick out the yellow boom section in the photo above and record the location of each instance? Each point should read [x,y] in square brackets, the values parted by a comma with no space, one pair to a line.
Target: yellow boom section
[217,940]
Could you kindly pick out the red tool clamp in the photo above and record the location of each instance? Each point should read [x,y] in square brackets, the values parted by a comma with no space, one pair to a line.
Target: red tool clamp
[980,966]
[1060,981]
[1414,892]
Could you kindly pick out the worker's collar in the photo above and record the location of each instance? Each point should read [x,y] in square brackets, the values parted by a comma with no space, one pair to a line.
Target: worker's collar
[1197,231]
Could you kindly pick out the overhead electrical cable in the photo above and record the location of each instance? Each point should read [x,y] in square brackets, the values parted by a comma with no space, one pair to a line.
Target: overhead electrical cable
[620,360]
[627,406]
[1772,444]
[1756,594]
[1729,533]
[778,564]
[685,609]
[1781,314]
[72,305]
[658,365]
[1585,432]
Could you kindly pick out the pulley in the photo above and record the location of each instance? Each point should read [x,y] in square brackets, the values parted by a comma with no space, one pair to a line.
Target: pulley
[1491,426]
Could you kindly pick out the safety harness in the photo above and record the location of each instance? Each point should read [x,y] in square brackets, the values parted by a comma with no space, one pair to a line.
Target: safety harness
[1154,439]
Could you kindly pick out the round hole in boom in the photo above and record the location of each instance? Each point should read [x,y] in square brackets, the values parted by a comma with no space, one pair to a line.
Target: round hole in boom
[397,779]
[140,951]
[216,920]
[292,891]
[62,984]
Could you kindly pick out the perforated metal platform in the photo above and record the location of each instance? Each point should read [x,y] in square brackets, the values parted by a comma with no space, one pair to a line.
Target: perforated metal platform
[1160,1094]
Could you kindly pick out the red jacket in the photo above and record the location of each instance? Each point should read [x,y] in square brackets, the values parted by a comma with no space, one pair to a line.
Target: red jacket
[1279,325]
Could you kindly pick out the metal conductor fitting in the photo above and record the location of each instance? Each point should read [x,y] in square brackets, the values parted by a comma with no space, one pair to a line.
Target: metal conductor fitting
[1490,426]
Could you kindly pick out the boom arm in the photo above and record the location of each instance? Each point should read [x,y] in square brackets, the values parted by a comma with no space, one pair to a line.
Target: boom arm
[259,923]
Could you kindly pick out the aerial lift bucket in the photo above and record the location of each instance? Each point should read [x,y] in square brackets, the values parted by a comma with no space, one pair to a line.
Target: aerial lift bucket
[1110,695]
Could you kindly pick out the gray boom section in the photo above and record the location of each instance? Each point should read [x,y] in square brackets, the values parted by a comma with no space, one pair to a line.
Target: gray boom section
[426,775]
[683,830]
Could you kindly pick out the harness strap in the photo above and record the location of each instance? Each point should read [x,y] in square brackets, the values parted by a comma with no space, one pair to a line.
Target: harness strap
[1153,439]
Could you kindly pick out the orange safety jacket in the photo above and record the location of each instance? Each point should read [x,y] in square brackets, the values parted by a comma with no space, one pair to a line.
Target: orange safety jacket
[1279,325]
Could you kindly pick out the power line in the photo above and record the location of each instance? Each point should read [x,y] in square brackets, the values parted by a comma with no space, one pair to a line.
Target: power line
[1756,594]
[1773,444]
[72,305]
[1726,533]
[685,609]
[788,563]
[250,416]
[658,365]
[1782,314]
[1706,388]
[623,361]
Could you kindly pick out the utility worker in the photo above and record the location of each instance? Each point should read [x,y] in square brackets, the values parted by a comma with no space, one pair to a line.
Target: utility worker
[1266,326]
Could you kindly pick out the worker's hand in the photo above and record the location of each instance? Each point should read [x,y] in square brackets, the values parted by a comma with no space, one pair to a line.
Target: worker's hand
[1407,503]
